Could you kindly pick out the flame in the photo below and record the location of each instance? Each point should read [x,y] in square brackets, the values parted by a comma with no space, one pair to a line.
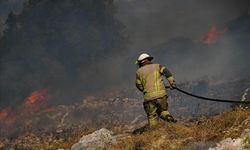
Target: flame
[36,102]
[37,97]
[211,36]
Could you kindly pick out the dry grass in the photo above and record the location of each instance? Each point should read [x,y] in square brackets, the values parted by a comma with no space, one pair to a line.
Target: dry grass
[164,136]
[247,141]
[51,142]
[176,136]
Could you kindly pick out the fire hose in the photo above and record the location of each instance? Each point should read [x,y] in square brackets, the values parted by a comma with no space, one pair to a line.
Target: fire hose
[209,99]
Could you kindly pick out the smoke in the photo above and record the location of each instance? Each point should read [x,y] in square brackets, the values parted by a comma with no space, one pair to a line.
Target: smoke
[78,48]
[174,32]
[60,51]
[153,22]
[199,41]
[7,6]
[70,48]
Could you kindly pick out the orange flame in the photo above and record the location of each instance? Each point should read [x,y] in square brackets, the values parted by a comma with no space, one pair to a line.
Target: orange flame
[36,102]
[211,36]
[37,97]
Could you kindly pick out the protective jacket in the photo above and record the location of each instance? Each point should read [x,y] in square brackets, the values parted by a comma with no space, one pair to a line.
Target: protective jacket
[149,80]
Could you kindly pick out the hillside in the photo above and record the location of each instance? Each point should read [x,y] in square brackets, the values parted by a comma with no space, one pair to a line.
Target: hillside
[203,133]
[35,125]
[67,73]
[200,134]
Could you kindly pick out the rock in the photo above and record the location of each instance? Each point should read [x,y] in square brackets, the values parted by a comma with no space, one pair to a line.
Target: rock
[95,141]
[246,133]
[200,145]
[229,144]
[234,144]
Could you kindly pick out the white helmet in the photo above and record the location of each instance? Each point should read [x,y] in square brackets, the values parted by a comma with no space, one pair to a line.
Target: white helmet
[143,56]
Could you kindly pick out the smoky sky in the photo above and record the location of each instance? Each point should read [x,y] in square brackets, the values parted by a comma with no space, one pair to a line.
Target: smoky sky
[172,30]
[7,6]
[150,22]
[82,47]
[70,47]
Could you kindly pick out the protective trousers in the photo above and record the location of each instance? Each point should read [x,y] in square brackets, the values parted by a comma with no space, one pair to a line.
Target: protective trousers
[155,108]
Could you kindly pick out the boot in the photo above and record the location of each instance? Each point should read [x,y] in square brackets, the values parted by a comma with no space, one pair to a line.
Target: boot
[170,118]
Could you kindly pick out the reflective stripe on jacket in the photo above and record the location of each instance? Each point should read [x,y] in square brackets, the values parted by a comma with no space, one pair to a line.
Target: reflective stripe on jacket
[149,80]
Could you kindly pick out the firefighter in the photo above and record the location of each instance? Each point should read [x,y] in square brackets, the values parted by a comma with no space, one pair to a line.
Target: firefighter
[149,80]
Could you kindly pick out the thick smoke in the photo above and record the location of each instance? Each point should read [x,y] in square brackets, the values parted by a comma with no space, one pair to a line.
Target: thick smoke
[80,47]
[69,47]
[204,43]
[173,31]
[153,22]
[7,6]
[59,51]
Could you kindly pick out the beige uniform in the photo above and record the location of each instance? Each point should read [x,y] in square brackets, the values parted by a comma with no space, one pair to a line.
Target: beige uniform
[149,80]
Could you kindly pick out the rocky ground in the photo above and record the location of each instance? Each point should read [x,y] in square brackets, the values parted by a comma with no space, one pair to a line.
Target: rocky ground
[224,130]
[110,122]
[216,133]
[227,131]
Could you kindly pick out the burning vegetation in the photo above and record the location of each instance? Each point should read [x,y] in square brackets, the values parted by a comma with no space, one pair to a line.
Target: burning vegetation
[37,97]
[63,68]
[197,134]
[211,36]
[62,126]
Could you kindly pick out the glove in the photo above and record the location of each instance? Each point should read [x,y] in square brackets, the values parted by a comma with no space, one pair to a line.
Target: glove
[171,82]
[172,86]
